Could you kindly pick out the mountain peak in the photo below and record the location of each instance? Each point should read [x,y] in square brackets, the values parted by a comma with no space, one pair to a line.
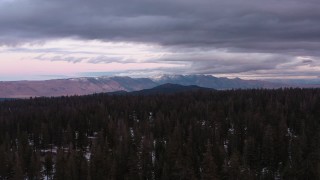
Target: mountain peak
[166,76]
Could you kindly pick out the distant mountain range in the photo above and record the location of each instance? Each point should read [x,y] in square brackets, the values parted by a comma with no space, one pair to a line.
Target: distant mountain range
[214,82]
[74,86]
[90,85]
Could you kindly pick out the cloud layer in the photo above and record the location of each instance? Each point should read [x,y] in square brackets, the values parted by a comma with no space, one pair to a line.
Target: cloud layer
[211,36]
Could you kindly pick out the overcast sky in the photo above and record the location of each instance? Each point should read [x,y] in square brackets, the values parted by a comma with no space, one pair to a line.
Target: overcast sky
[252,39]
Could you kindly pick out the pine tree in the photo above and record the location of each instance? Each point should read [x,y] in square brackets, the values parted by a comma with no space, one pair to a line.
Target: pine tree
[234,166]
[251,154]
[209,168]
[60,166]
[3,161]
[268,149]
[147,158]
[34,169]
[98,167]
[48,166]
[133,165]
[18,171]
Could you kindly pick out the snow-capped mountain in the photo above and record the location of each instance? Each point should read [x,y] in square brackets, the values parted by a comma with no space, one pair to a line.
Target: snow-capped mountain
[90,85]
[210,81]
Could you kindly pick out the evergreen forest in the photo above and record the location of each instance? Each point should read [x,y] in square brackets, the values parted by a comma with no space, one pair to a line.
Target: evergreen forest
[202,135]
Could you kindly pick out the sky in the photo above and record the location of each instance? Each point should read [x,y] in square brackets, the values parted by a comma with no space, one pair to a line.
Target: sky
[250,39]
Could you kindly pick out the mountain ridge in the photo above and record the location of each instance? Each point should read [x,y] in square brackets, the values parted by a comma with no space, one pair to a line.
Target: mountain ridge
[216,82]
[169,88]
[91,85]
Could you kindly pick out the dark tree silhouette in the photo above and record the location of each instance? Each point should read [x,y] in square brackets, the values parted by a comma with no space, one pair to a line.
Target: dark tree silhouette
[234,134]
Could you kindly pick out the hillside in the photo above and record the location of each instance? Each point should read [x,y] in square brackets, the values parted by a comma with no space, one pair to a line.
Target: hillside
[75,86]
[169,88]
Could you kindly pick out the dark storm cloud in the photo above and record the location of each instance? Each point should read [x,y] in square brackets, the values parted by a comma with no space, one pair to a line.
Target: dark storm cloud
[243,24]
[284,28]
